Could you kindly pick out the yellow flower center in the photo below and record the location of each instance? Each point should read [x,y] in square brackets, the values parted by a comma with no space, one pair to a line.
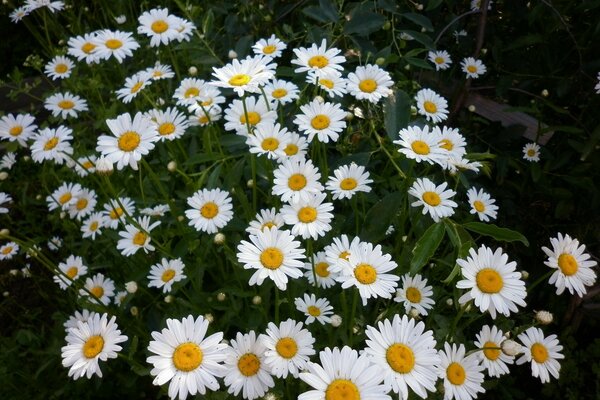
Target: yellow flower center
[365,273]
[322,269]
[15,130]
[318,62]
[367,85]
[472,69]
[203,119]
[93,346]
[159,26]
[65,198]
[446,144]
[479,206]
[168,275]
[116,213]
[307,215]
[94,226]
[269,49]
[270,144]
[539,353]
[313,311]
[320,122]
[66,104]
[139,238]
[61,68]
[267,225]
[430,107]
[113,44]
[420,147]
[271,258]
[166,128]
[87,164]
[253,118]
[491,351]
[129,141]
[400,357]
[7,250]
[206,103]
[328,83]
[157,74]
[432,198]
[413,295]
[291,149]
[50,144]
[249,364]
[345,255]
[209,210]
[136,88]
[567,264]
[71,272]
[286,347]
[439,60]
[531,152]
[88,47]
[81,204]
[297,182]
[342,389]
[279,93]
[97,291]
[456,374]
[239,80]
[489,281]
[187,357]
[191,92]
[348,184]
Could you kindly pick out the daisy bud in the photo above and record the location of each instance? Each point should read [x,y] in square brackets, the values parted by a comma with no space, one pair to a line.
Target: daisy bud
[4,232]
[349,116]
[419,6]
[172,166]
[103,166]
[221,296]
[404,238]
[524,274]
[386,26]
[209,317]
[336,320]
[180,218]
[26,158]
[407,67]
[355,329]
[483,51]
[414,313]
[169,298]
[468,307]
[270,396]
[62,215]
[511,348]
[431,265]
[160,101]
[358,112]
[267,17]
[232,54]
[256,300]
[61,42]
[121,19]
[131,287]
[13,272]
[219,238]
[38,197]
[319,99]
[3,175]
[380,61]
[413,110]
[472,108]
[192,70]
[250,183]
[544,317]
[449,302]
[545,93]
[6,294]
[134,311]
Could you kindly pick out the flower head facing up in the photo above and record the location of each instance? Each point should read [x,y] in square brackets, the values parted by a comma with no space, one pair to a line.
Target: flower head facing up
[136,237]
[165,273]
[314,309]
[246,76]
[322,119]
[211,210]
[542,352]
[462,375]
[473,68]
[60,67]
[415,294]
[288,347]
[531,152]
[434,199]
[369,82]
[52,144]
[318,59]
[441,59]
[482,204]
[159,26]
[489,340]
[431,105]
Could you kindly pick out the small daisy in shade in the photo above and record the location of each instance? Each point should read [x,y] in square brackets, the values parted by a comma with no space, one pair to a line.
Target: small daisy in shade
[93,225]
[333,83]
[185,28]
[101,288]
[73,268]
[415,294]
[65,104]
[52,144]
[453,142]
[494,283]
[265,219]
[338,253]
[281,91]
[323,119]
[55,243]
[431,105]
[83,316]
[274,254]
[205,117]
[8,250]
[440,58]
[84,204]
[8,160]
[60,67]
[189,91]
[309,218]
[170,124]
[52,6]
[462,375]
[461,164]
[370,83]
[133,85]
[160,71]
[17,128]
[531,152]
[268,140]
[211,210]
[572,265]
[211,97]
[482,204]
[89,342]
[82,48]
[296,180]
[156,211]
[158,25]
[368,267]
[406,354]
[315,309]
[245,76]
[542,352]
[86,165]
[115,44]
[476,5]
[472,67]
[19,13]
[4,199]
[343,374]
[132,139]
[246,368]
[134,238]
[489,340]
[434,199]
[288,347]
[295,147]
[319,269]
[318,59]
[420,144]
[271,47]
[348,180]
[185,356]
[120,297]
[64,196]
[257,111]
[116,210]
[165,273]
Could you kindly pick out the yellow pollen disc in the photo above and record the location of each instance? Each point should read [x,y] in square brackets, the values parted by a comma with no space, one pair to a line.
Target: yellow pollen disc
[297,182]
[88,47]
[344,255]
[413,295]
[322,269]
[159,26]
[71,272]
[491,351]
[318,62]
[567,264]
[239,80]
[365,274]
[271,258]
[286,347]
[203,119]
[116,213]
[135,88]
[113,44]
[61,68]
[400,357]
[539,353]
[166,129]
[313,311]
[270,144]
[65,198]
[87,164]
[15,130]
[367,85]
[432,198]
[348,184]
[342,389]
[94,226]
[97,291]
[430,107]
[479,206]
[191,92]
[7,250]
[139,238]
[269,49]
[439,60]
[157,74]
[472,69]
[446,144]
[187,357]
[249,364]
[307,215]
[50,144]
[253,118]
[267,225]
[93,346]
[81,204]
[206,103]
[66,104]
[456,374]
[168,275]
[279,93]
[327,83]
[291,149]
[129,141]
[420,147]
[489,281]
[320,122]
[531,152]
[209,210]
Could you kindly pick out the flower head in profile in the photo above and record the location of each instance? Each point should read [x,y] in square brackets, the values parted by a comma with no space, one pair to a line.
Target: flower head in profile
[65,104]
[265,219]
[133,85]
[4,199]
[136,237]
[318,271]
[243,120]
[270,47]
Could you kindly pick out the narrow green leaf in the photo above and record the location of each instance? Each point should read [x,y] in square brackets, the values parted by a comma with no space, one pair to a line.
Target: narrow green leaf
[417,62]
[329,10]
[380,216]
[463,251]
[396,110]
[426,246]
[494,231]
[362,23]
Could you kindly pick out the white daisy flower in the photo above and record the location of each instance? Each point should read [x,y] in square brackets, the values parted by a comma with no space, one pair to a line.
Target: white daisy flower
[462,375]
[434,199]
[134,238]
[431,105]
[82,48]
[116,210]
[73,268]
[531,152]
[101,288]
[288,348]
[494,283]
[64,196]
[133,85]
[120,297]
[159,26]
[318,59]
[93,225]
[190,91]
[542,352]
[165,273]
[156,211]
[60,67]
[8,160]
[84,204]
[115,44]
[406,354]
[325,120]
[19,13]
[52,6]
[319,269]
[333,83]
[170,124]
[458,164]
[209,98]
[482,204]
[296,180]
[55,243]
[314,309]
[245,76]
[347,180]
[4,198]
[370,83]
[309,218]
[415,294]
[257,111]
[440,58]
[265,219]
[421,144]
[91,341]
[573,267]
[453,142]
[281,91]
[211,210]
[86,165]
[203,118]
[489,340]
[269,140]
[65,104]
[160,71]
[271,47]
[295,148]
[476,5]
[185,29]
[17,128]
[52,144]
[338,253]
[8,250]
[472,67]
[82,316]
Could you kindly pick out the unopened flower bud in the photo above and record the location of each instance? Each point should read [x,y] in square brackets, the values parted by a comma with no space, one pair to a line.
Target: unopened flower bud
[419,6]
[511,348]
[484,51]
[472,108]
[13,272]
[209,317]
[336,320]
[219,238]
[104,166]
[221,296]
[544,317]
[26,158]
[171,166]
[256,300]
[413,313]
[6,294]
[3,175]
[545,93]
[169,298]
[180,218]
[38,197]
[524,274]
[131,287]
[134,311]
[407,67]
[250,183]
[232,54]
[62,215]
[319,99]
[380,61]
[358,112]
[349,116]
[4,232]
[449,302]
[192,70]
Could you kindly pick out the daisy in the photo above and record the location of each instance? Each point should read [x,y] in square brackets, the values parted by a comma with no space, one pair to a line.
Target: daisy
[120,297]
[268,140]
[211,210]
[60,67]
[159,26]
[296,180]
[476,5]
[89,342]
[434,199]
[160,71]
[264,220]
[8,160]
[415,294]
[134,238]
[17,128]
[245,76]
[319,269]
[257,113]
[281,91]
[183,355]
[348,180]
[86,165]
[246,368]
[343,374]
[459,164]
[440,58]
[318,59]
[573,267]
[19,13]
[295,147]
[472,67]
[531,152]
[462,375]
[4,198]
[101,289]
[185,29]
[92,225]
[82,48]
[165,273]
[288,348]
[453,142]
[207,99]
[274,254]
[189,91]
[494,284]
[338,253]
[325,120]
[52,6]
[542,352]
[433,106]
[203,118]
[130,141]
[52,144]
[420,144]
[64,196]
[133,85]
[55,243]
[84,204]
[116,210]
[156,211]
[314,309]
[170,123]
[482,204]
[271,47]
[406,354]
[370,83]
[8,250]
[83,316]
[333,83]
[489,340]
[65,104]
[309,218]
[117,44]
[70,270]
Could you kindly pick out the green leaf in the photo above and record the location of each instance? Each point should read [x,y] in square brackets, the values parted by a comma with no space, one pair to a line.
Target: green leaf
[494,231]
[380,216]
[396,113]
[315,13]
[329,10]
[364,22]
[419,19]
[417,62]
[463,251]
[426,246]
[431,4]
